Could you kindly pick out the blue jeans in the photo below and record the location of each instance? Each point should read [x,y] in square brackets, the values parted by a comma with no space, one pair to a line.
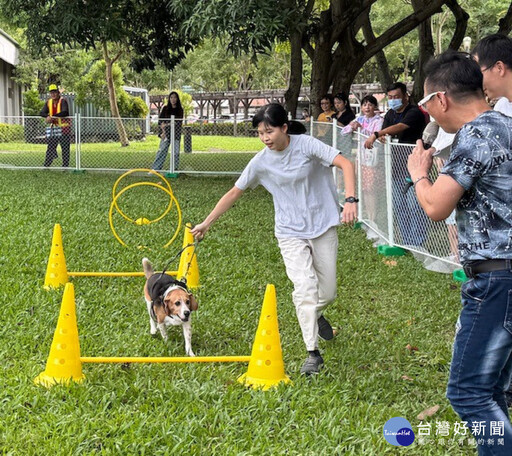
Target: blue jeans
[411,218]
[161,155]
[482,359]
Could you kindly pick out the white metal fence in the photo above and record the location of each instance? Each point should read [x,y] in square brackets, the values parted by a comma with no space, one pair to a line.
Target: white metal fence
[388,208]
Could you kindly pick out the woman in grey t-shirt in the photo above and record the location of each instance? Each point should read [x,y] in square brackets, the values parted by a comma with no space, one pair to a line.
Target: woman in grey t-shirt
[295,169]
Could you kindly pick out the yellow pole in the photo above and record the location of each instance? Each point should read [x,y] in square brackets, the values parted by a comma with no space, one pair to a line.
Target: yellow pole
[163,359]
[115,274]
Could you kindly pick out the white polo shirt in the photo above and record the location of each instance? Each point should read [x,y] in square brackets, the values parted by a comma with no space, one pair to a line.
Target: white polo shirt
[504,106]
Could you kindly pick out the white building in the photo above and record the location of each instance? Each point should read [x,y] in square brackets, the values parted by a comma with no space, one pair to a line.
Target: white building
[10,91]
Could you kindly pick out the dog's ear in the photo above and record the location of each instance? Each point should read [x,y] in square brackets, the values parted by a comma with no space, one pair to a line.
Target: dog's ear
[193,302]
[160,310]
[166,303]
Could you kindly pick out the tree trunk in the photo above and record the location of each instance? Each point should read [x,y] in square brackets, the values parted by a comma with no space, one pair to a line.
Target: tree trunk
[505,23]
[123,138]
[350,55]
[426,52]
[461,20]
[383,71]
[291,95]
[322,62]
[347,61]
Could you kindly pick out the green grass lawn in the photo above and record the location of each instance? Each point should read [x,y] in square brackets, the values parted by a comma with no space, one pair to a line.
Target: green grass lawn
[209,153]
[201,409]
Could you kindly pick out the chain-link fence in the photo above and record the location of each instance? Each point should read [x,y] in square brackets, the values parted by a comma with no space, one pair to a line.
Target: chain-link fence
[99,143]
[388,206]
[29,142]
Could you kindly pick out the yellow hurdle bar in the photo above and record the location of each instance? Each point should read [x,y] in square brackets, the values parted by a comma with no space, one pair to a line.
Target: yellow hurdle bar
[115,274]
[163,359]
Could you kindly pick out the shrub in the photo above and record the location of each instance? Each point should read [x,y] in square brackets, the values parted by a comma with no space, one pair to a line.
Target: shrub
[244,129]
[32,104]
[9,133]
[223,129]
[131,107]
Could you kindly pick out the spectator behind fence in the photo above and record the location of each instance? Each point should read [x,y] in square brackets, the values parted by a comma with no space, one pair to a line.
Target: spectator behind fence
[344,113]
[172,108]
[368,122]
[477,180]
[55,110]
[324,132]
[326,103]
[405,123]
[295,170]
[494,56]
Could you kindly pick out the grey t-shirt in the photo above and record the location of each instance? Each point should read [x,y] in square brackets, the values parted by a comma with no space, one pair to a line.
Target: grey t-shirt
[301,184]
[481,162]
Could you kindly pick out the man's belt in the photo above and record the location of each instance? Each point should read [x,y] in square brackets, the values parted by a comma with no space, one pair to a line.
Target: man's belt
[473,268]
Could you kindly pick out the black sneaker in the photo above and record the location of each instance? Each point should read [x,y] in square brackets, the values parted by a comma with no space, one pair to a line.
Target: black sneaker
[312,365]
[325,329]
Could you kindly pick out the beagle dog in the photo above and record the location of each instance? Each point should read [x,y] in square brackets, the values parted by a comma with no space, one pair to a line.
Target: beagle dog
[169,303]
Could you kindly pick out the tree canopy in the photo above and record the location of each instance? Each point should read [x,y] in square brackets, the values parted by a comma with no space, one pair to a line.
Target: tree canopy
[246,44]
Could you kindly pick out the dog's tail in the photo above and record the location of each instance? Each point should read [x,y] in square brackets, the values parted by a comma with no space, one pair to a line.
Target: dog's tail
[148,268]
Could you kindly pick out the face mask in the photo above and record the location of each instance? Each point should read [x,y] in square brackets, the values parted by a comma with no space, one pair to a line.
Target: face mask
[395,104]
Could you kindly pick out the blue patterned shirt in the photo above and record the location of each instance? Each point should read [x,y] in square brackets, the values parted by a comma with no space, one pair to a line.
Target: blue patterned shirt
[481,162]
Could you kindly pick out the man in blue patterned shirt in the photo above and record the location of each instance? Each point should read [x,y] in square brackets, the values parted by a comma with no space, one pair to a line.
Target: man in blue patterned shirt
[477,181]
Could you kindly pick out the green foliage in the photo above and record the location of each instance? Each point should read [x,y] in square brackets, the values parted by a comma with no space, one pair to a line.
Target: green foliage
[211,67]
[92,87]
[10,133]
[130,106]
[186,102]
[223,129]
[155,80]
[32,103]
[88,24]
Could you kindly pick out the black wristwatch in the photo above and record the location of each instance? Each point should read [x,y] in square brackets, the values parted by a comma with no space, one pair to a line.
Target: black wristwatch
[351,199]
[376,133]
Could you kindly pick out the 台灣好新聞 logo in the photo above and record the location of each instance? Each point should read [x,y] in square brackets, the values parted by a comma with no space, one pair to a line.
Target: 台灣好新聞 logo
[398,431]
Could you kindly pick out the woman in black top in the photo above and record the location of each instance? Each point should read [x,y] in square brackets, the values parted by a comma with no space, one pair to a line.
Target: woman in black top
[172,108]
[344,114]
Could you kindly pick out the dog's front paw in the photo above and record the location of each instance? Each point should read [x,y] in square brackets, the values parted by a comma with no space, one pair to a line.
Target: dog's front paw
[190,353]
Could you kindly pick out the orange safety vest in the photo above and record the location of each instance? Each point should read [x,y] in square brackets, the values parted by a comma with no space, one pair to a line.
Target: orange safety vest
[61,122]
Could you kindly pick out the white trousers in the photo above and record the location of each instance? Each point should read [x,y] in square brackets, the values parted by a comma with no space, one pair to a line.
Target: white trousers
[311,266]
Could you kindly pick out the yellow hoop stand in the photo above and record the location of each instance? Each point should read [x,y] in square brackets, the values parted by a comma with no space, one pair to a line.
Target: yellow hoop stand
[146,222]
[142,220]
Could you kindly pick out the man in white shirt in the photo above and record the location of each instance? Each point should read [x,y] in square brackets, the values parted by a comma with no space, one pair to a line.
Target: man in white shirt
[494,55]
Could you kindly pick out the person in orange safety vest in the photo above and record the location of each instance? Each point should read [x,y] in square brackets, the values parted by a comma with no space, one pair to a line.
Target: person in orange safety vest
[56,113]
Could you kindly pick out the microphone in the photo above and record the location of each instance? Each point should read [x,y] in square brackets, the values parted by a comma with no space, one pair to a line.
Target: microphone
[429,135]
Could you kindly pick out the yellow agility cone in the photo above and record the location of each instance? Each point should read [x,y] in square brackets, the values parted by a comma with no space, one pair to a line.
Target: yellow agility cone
[64,364]
[266,367]
[189,272]
[56,272]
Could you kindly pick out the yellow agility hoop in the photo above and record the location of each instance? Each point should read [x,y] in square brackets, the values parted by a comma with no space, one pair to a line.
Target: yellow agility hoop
[151,171]
[149,184]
